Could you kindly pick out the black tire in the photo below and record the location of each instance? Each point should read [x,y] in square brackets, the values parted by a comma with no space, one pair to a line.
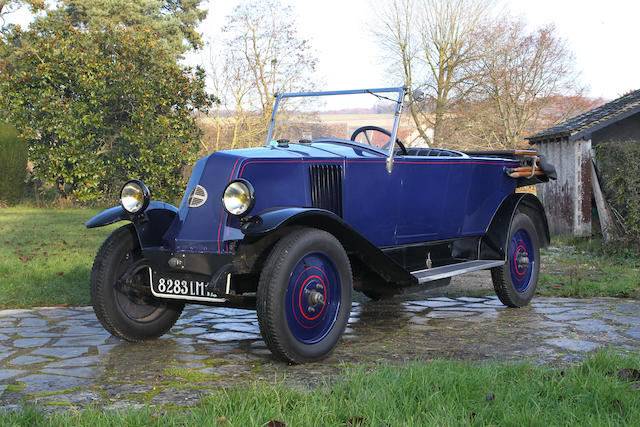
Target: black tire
[515,283]
[126,312]
[289,335]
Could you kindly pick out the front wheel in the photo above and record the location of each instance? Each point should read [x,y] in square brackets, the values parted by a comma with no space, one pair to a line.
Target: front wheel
[121,293]
[304,296]
[515,282]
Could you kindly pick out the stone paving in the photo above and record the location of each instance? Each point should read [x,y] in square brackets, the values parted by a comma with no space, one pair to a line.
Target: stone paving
[61,358]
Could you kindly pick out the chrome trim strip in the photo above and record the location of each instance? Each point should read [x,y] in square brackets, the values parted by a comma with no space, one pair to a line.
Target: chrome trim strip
[428,275]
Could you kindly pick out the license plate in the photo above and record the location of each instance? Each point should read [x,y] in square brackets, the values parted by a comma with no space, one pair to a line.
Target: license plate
[163,286]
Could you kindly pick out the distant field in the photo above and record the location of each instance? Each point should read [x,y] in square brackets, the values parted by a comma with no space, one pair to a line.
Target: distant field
[357,120]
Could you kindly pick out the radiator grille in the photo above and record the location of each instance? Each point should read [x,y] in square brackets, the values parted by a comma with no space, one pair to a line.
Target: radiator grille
[326,187]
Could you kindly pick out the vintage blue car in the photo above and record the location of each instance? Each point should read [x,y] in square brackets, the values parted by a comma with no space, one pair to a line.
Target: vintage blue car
[292,228]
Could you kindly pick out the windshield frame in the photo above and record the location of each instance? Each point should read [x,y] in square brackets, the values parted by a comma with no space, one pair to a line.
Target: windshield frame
[401,91]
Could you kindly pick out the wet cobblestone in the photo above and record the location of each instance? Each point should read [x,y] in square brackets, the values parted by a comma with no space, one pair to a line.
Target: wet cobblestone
[61,358]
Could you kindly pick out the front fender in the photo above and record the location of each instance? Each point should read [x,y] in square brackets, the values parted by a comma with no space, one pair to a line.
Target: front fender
[108,216]
[273,219]
[353,242]
[150,226]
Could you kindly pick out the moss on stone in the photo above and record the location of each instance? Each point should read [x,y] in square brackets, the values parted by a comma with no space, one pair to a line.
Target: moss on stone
[190,374]
[54,393]
[15,387]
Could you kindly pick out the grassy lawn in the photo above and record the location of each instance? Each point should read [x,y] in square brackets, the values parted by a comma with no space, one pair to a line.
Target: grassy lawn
[580,268]
[46,256]
[603,390]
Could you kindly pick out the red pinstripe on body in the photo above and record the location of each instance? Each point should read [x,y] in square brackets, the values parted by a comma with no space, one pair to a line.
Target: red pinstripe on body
[376,161]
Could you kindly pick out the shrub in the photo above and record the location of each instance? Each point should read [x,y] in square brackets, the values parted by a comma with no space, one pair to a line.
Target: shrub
[13,164]
[619,167]
[97,107]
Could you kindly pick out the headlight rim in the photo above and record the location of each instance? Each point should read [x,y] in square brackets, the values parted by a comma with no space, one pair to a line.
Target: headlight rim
[145,194]
[252,197]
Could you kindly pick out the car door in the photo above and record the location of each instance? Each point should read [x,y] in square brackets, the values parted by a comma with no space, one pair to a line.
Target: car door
[371,197]
[434,192]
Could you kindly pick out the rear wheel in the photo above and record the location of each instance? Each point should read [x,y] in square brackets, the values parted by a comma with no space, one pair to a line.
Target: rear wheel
[515,282]
[121,294]
[304,296]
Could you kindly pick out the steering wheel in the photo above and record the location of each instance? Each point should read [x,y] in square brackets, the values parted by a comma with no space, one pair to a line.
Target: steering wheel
[364,130]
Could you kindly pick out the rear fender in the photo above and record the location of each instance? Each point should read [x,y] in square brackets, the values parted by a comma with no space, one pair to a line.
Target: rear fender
[274,221]
[150,226]
[494,243]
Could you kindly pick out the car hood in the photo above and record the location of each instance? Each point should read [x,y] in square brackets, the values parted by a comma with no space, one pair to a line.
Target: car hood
[208,228]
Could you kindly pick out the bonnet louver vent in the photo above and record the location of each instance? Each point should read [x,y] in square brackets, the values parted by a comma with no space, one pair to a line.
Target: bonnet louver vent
[197,197]
[326,187]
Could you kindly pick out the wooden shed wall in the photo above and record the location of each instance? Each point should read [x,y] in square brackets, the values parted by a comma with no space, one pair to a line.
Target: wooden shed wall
[567,200]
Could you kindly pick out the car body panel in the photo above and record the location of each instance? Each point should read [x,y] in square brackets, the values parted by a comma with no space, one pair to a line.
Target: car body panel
[390,214]
[476,187]
[199,229]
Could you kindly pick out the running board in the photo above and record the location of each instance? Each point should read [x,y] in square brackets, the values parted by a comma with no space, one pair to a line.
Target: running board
[451,270]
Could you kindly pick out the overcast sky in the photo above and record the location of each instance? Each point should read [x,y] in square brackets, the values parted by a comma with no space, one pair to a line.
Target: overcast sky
[601,34]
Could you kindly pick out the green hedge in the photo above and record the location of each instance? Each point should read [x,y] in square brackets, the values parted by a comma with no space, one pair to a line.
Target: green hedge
[13,164]
[619,168]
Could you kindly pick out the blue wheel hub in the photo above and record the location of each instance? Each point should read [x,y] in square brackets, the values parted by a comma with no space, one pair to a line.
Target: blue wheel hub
[313,298]
[521,259]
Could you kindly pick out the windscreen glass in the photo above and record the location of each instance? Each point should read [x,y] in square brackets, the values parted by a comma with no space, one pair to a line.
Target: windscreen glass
[366,118]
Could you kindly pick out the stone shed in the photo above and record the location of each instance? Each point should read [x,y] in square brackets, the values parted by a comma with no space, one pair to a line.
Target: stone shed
[569,146]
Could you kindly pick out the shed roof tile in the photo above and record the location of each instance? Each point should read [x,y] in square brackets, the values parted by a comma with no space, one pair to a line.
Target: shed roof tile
[590,118]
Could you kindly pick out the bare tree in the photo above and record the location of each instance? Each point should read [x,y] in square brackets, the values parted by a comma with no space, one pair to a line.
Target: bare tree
[480,125]
[260,54]
[521,74]
[394,31]
[433,44]
[232,83]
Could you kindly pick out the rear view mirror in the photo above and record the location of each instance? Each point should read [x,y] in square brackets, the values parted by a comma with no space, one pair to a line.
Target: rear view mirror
[418,95]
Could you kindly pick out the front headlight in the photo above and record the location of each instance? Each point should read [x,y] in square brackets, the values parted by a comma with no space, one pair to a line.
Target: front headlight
[134,196]
[238,197]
